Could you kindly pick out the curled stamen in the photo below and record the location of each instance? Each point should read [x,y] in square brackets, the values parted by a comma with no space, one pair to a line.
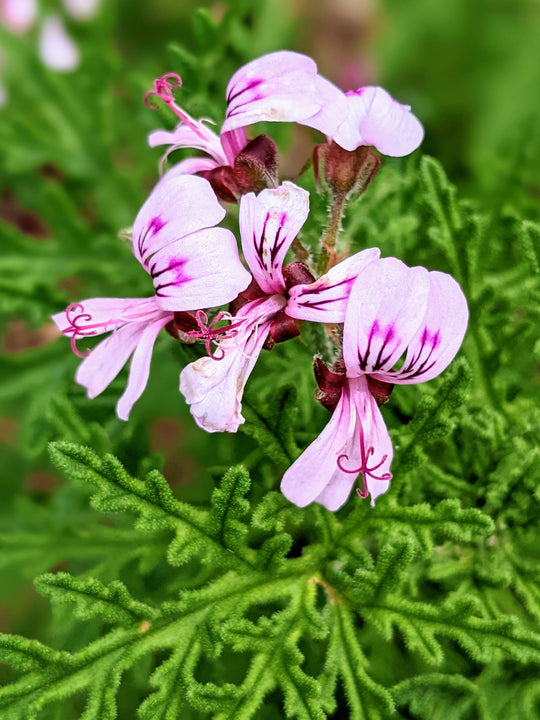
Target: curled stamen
[364,470]
[163,87]
[79,326]
[210,334]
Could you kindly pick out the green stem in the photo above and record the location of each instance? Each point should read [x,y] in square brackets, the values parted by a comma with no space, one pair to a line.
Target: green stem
[327,258]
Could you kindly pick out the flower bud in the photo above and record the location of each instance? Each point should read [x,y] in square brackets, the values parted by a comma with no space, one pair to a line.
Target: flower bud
[346,172]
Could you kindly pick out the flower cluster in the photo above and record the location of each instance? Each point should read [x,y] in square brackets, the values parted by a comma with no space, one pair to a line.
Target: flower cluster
[393,324]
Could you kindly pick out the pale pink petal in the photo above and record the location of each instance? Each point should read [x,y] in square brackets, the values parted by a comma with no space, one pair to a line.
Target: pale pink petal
[281,86]
[140,367]
[233,142]
[56,49]
[387,303]
[191,166]
[333,107]
[269,222]
[81,9]
[177,206]
[3,96]
[439,335]
[99,315]
[18,16]
[368,456]
[134,322]
[325,300]
[98,370]
[375,118]
[317,466]
[214,388]
[198,137]
[354,445]
[201,270]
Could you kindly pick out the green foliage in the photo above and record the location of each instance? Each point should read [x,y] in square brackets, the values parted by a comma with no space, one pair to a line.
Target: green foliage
[182,583]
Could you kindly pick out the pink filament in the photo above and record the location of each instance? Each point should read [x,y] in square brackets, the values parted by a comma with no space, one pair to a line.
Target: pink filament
[163,90]
[79,330]
[364,470]
[210,334]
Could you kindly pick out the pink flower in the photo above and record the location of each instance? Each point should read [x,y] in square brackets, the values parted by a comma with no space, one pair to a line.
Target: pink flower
[56,49]
[276,298]
[375,118]
[192,264]
[281,86]
[285,86]
[393,311]
[18,16]
[81,9]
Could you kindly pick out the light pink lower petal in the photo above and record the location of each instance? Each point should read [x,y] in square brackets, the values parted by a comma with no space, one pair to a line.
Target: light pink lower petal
[387,303]
[325,300]
[269,222]
[198,137]
[56,49]
[375,118]
[201,270]
[317,467]
[214,388]
[140,367]
[99,369]
[362,455]
[132,321]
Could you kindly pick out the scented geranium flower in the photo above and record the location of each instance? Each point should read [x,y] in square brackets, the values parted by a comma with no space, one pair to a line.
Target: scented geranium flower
[393,311]
[268,310]
[282,86]
[193,265]
[285,86]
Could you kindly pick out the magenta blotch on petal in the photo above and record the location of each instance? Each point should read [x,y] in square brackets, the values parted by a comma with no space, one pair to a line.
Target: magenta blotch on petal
[269,223]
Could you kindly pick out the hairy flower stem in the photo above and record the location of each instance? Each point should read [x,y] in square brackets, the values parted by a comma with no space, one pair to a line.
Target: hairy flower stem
[327,258]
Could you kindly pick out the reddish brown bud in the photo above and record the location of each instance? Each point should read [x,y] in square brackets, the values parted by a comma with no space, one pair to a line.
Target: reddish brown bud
[223,182]
[345,171]
[330,382]
[283,328]
[256,166]
[380,390]
[297,273]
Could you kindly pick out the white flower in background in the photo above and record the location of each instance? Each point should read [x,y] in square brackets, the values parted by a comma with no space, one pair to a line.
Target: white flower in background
[55,47]
[81,9]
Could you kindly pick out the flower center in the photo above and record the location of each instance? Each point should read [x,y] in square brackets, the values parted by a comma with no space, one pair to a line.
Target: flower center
[210,334]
